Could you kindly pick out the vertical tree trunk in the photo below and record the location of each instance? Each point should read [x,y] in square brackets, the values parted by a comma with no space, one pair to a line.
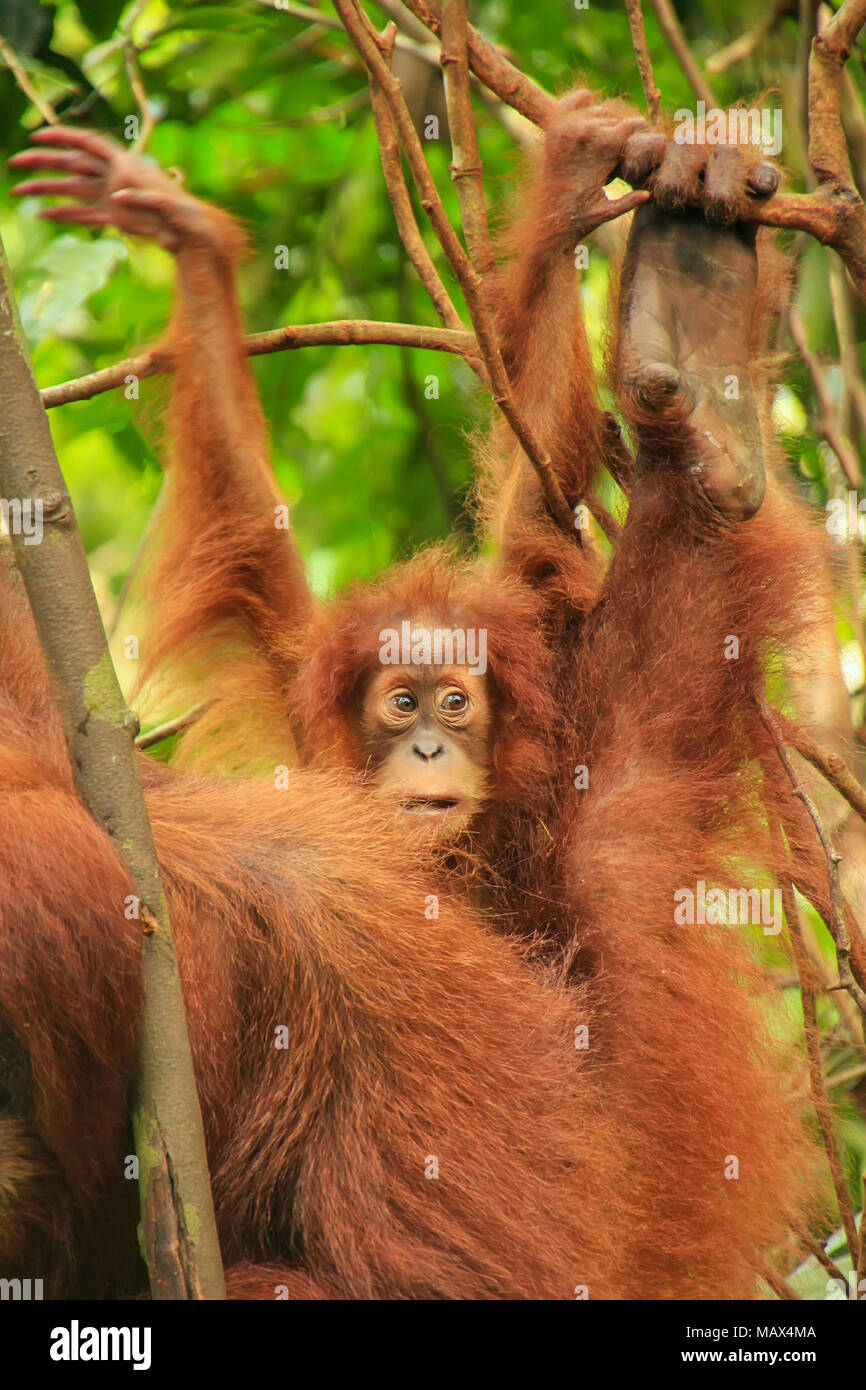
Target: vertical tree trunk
[180,1236]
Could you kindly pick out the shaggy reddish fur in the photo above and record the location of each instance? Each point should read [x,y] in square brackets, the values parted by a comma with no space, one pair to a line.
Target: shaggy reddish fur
[342,645]
[408,1038]
[452,1037]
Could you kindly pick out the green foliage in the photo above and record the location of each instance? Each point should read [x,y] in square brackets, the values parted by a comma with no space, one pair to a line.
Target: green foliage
[267,115]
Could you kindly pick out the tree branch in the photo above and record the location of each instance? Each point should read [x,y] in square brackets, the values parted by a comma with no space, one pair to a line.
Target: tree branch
[836,924]
[744,45]
[817,1089]
[672,30]
[367,42]
[466,166]
[834,213]
[493,69]
[180,1236]
[816,1249]
[398,193]
[338,333]
[172,726]
[830,765]
[828,423]
[25,85]
[644,62]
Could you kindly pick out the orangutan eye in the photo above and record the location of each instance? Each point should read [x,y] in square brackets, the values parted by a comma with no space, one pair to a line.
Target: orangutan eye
[404,702]
[455,702]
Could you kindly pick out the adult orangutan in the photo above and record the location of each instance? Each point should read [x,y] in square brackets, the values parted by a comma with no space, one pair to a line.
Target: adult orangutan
[544,1084]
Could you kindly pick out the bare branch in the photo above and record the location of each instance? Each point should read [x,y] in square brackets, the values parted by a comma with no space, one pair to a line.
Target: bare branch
[672,30]
[398,193]
[606,520]
[466,166]
[617,456]
[781,1288]
[834,213]
[338,333]
[493,69]
[178,1224]
[831,49]
[133,76]
[172,726]
[745,44]
[836,924]
[831,765]
[367,42]
[23,82]
[834,216]
[828,423]
[644,63]
[817,1089]
[429,52]
[816,1249]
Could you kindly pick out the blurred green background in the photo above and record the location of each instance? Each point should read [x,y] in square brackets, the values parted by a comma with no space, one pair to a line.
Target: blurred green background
[266,112]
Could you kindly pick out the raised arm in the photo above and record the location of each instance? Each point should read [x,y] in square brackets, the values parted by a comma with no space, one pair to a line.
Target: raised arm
[544,340]
[687,305]
[226,571]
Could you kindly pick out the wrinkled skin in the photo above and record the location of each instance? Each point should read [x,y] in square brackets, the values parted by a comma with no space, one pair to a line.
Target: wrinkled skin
[686,318]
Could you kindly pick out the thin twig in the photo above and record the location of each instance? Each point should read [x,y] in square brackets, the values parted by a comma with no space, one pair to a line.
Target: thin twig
[428,52]
[367,41]
[338,333]
[828,423]
[618,459]
[133,77]
[806,978]
[644,62]
[827,975]
[172,726]
[23,82]
[672,30]
[745,44]
[836,924]
[830,765]
[816,1249]
[606,520]
[816,1072]
[398,193]
[412,38]
[466,166]
[493,69]
[781,1288]
[846,1076]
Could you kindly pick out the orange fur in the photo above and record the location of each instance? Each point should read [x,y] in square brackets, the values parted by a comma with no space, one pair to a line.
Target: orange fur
[452,1038]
